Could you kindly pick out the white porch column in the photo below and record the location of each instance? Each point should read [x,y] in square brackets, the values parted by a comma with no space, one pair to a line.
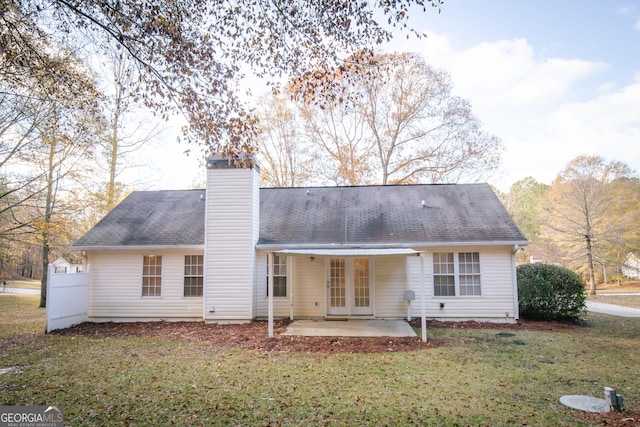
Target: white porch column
[270,291]
[290,285]
[423,299]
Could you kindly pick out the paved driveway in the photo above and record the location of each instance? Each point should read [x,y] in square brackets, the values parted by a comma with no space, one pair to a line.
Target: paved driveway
[614,310]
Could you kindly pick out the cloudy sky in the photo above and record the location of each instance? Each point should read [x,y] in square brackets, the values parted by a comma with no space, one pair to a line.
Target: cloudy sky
[552,79]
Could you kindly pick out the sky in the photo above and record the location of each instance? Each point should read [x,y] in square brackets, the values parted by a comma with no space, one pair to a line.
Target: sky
[553,79]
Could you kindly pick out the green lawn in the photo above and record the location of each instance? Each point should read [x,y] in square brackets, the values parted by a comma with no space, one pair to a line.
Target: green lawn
[20,314]
[476,377]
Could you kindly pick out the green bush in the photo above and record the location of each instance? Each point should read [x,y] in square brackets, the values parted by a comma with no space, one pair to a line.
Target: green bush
[550,292]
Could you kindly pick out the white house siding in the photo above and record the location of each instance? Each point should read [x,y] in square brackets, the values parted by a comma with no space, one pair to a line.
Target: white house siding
[392,275]
[116,287]
[231,233]
[305,280]
[390,285]
[497,302]
[310,291]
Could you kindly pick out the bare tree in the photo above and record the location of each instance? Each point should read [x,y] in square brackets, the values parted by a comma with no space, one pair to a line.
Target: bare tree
[190,55]
[125,131]
[340,138]
[579,212]
[285,159]
[410,128]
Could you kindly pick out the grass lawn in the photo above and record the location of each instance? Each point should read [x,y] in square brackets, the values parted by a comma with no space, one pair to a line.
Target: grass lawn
[20,314]
[476,377]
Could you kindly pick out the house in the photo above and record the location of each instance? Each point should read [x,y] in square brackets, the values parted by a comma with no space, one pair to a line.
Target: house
[631,266]
[61,265]
[235,252]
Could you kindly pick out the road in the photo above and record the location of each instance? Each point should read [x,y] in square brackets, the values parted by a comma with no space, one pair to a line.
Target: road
[614,310]
[21,291]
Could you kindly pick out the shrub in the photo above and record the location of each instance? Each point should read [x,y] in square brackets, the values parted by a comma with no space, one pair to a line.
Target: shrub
[550,292]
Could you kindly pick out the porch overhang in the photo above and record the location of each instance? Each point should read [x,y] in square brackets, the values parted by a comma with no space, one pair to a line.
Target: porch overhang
[344,252]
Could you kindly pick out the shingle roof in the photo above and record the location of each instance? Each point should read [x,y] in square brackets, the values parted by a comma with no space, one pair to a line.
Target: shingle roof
[368,215]
[385,215]
[153,218]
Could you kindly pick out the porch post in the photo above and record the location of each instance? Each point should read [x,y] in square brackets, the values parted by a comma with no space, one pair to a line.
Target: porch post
[270,291]
[290,284]
[423,299]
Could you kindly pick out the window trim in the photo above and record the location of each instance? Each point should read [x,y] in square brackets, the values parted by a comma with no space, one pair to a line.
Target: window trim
[279,275]
[156,265]
[457,274]
[199,274]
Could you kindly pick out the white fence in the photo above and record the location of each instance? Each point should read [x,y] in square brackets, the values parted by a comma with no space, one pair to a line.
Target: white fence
[67,299]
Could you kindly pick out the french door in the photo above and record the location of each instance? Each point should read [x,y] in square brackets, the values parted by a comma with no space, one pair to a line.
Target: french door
[349,287]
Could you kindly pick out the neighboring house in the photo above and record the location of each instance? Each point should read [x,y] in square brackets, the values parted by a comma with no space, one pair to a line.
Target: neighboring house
[335,252]
[631,267]
[63,266]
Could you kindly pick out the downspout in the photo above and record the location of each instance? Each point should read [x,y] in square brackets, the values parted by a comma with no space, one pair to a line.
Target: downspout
[516,308]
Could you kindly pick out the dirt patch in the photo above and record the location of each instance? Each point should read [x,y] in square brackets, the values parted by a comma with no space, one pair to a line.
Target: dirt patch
[522,325]
[253,335]
[614,419]
[622,287]
[249,336]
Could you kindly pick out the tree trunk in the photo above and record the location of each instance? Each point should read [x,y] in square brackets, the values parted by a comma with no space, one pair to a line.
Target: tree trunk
[592,275]
[45,275]
[47,223]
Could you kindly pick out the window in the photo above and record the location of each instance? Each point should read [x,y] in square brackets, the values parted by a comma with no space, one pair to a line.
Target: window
[193,275]
[279,276]
[456,274]
[151,275]
[59,270]
[338,280]
[444,284]
[469,267]
[361,282]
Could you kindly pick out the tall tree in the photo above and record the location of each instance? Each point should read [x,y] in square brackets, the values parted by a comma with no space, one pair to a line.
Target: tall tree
[126,131]
[285,159]
[340,139]
[413,128]
[190,55]
[523,203]
[67,139]
[580,210]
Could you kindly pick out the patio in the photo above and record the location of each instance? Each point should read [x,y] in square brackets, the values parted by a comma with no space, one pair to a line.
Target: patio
[350,328]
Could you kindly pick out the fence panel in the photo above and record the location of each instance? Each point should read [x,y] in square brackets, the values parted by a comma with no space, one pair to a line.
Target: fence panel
[67,299]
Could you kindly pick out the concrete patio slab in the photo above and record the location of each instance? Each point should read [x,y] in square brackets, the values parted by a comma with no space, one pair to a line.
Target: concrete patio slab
[350,328]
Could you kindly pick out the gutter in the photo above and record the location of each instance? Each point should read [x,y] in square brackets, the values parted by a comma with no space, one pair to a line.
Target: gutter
[137,247]
[407,245]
